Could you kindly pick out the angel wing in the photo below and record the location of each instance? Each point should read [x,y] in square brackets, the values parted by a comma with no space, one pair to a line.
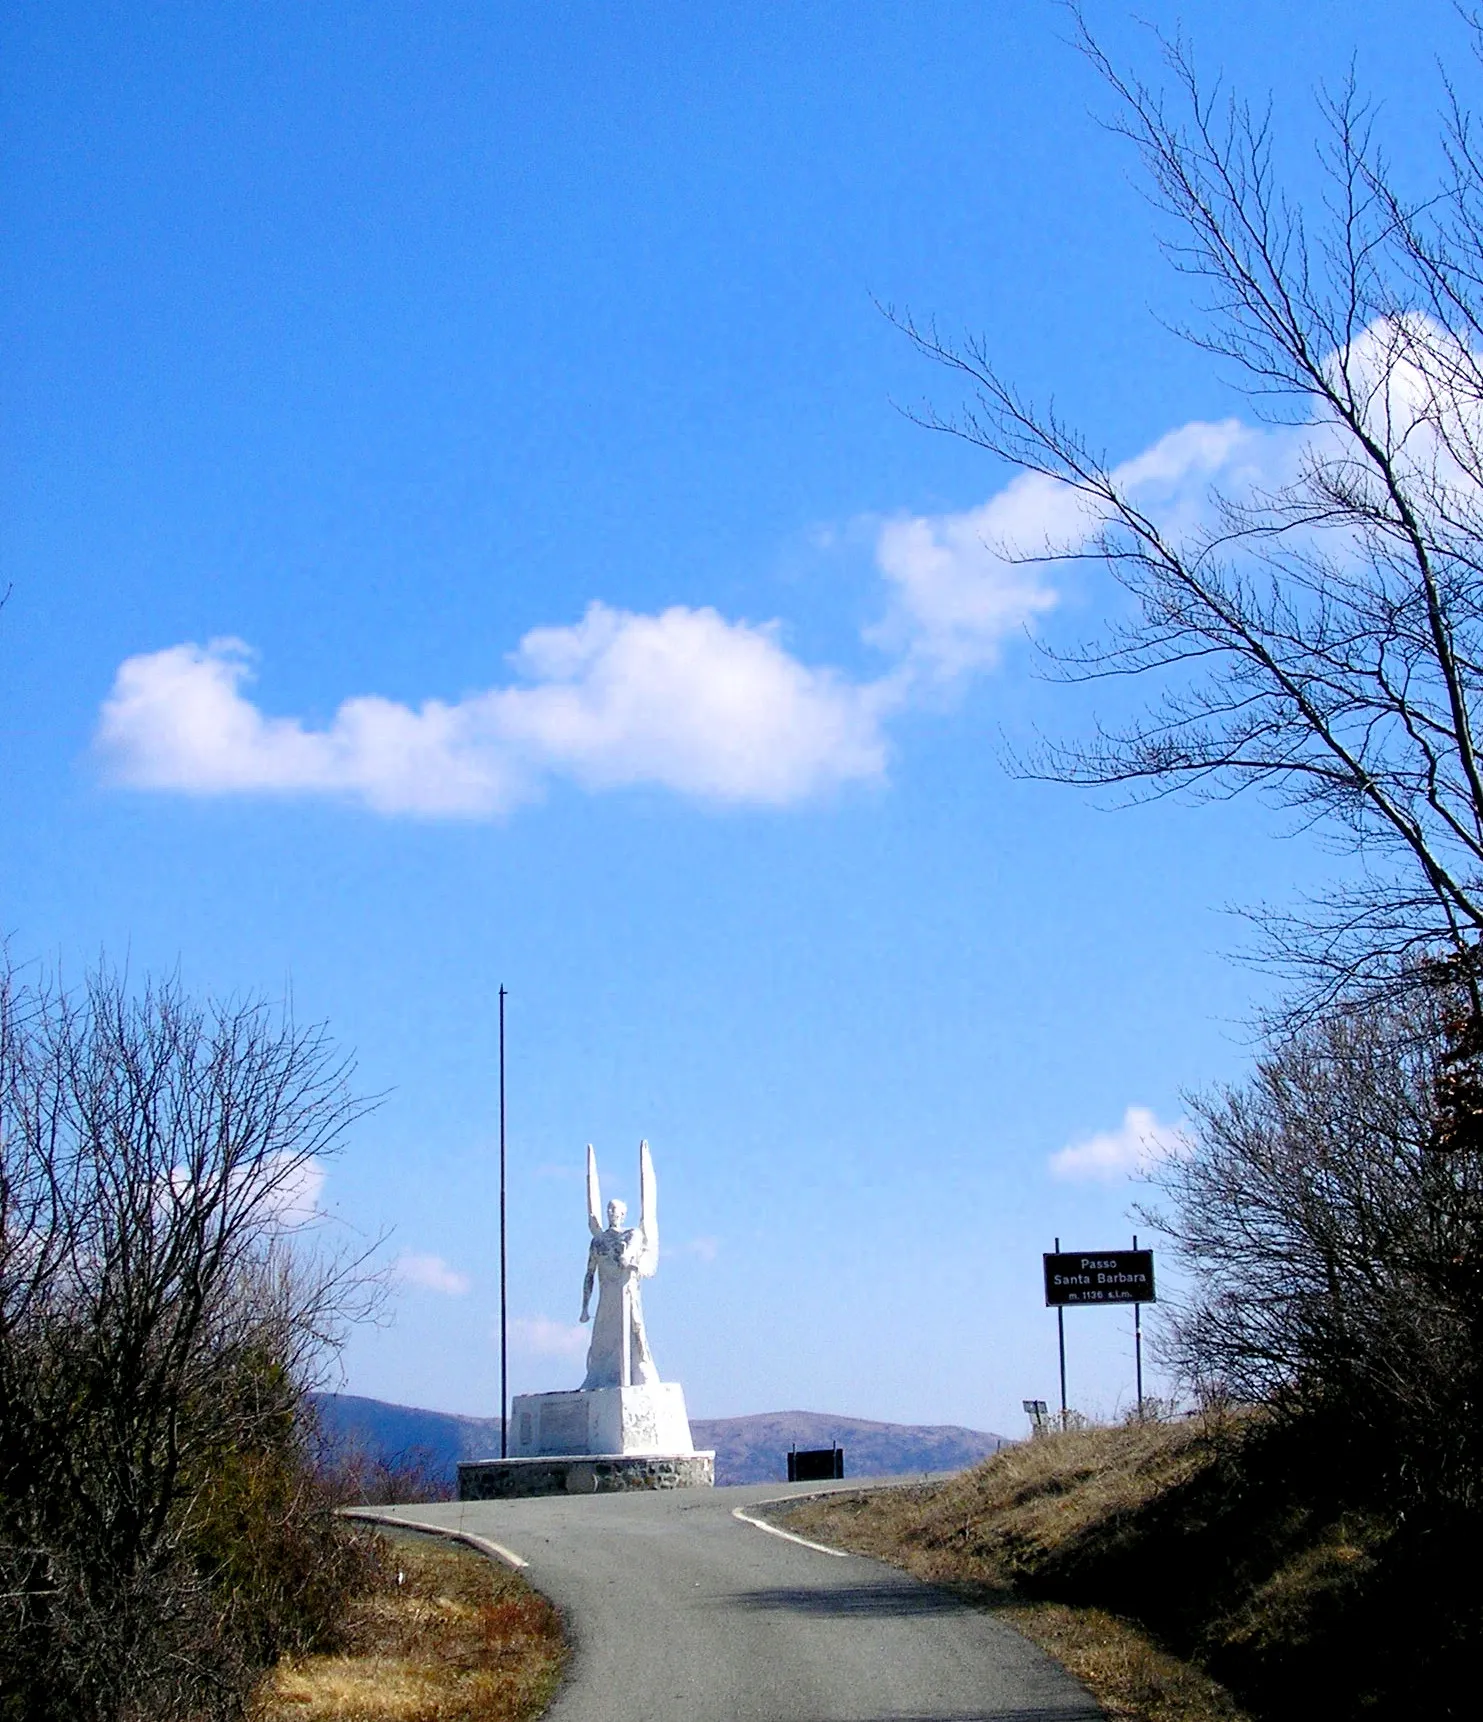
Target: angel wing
[594,1195]
[648,1213]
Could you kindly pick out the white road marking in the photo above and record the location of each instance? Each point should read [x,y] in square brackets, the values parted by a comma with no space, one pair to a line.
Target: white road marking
[775,1531]
[485,1545]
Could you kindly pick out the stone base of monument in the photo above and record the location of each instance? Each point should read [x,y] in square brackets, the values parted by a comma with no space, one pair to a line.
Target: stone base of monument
[594,1441]
[583,1474]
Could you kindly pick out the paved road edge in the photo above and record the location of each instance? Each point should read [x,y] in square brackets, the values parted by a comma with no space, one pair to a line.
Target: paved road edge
[484,1545]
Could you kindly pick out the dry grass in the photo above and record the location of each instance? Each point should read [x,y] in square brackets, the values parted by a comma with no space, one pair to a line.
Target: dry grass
[997,1523]
[1130,1676]
[991,1532]
[443,1635]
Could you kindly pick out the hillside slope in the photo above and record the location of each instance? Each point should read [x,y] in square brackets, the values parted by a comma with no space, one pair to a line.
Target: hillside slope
[1158,1559]
[748,1449]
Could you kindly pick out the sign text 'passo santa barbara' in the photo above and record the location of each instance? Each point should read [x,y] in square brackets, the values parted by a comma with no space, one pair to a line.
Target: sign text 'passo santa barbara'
[1099,1276]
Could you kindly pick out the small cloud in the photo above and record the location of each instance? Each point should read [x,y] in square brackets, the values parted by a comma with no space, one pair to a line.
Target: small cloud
[1130,1151]
[703,1249]
[958,588]
[539,1336]
[431,1273]
[961,584]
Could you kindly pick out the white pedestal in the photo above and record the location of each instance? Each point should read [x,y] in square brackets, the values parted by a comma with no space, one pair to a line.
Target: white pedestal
[601,1420]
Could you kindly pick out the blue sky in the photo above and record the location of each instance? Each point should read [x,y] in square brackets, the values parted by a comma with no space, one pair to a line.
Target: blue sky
[514,373]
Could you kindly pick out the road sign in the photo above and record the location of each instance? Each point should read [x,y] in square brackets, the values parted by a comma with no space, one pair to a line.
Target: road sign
[816,1464]
[1099,1276]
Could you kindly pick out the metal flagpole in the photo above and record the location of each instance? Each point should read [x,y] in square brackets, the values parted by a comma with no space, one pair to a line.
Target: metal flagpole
[1061,1342]
[504,1333]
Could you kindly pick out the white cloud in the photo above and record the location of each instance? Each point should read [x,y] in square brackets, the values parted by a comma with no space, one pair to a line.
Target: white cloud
[539,1336]
[1133,1149]
[688,700]
[431,1273]
[1417,390]
[295,1199]
[1173,478]
[282,1188]
[959,583]
[955,591]
[684,699]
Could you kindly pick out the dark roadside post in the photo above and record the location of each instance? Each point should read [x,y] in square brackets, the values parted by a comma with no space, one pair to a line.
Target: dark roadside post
[1061,1347]
[816,1464]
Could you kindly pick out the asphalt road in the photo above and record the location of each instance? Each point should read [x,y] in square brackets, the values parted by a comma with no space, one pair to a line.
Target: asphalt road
[681,1612]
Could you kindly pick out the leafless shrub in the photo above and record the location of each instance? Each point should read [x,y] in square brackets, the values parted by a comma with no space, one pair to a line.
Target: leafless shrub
[356,1476]
[1330,1225]
[163,1306]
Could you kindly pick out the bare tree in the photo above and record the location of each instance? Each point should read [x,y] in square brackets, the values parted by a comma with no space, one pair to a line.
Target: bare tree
[1319,637]
[161,1314]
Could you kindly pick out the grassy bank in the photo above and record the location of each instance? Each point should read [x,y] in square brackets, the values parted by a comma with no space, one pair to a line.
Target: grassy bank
[440,1634]
[1193,1570]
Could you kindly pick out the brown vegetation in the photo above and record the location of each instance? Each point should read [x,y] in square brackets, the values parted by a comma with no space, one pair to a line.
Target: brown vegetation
[438,1634]
[361,1476]
[1182,1569]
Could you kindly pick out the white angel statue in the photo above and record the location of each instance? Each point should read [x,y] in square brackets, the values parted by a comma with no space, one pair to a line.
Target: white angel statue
[619,1355]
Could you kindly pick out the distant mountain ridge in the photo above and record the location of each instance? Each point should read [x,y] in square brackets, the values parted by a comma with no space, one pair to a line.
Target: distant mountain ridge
[755,1449]
[748,1449]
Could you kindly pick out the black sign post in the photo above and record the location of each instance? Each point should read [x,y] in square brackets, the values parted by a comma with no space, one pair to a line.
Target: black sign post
[1099,1276]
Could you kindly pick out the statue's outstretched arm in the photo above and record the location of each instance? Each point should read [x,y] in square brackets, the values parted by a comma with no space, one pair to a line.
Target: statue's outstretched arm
[587,1283]
[648,1212]
[594,1195]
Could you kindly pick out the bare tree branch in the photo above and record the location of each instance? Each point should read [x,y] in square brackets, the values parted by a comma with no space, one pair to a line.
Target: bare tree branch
[1321,641]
